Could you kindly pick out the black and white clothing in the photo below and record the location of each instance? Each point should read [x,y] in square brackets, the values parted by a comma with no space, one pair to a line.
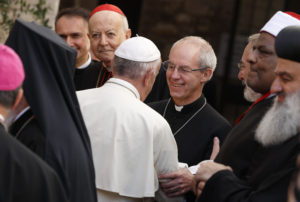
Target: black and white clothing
[194,128]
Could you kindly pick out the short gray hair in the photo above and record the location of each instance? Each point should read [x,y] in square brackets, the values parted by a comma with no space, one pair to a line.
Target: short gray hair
[253,37]
[125,21]
[8,98]
[207,56]
[132,69]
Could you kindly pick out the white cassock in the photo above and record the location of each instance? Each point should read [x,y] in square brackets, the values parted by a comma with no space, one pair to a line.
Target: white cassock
[131,143]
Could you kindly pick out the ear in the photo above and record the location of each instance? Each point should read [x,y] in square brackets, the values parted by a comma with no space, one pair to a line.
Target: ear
[18,99]
[128,33]
[206,75]
[147,78]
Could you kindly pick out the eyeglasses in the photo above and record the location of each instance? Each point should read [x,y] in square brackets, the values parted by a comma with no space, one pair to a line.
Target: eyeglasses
[169,66]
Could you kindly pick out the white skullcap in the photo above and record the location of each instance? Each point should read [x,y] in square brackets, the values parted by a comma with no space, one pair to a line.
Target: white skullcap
[279,21]
[139,49]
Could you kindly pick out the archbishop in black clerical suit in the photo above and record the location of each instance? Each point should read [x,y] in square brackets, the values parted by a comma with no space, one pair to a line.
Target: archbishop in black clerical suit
[27,130]
[194,128]
[24,176]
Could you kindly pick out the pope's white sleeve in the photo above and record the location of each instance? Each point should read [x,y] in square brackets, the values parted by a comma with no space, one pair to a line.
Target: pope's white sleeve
[166,158]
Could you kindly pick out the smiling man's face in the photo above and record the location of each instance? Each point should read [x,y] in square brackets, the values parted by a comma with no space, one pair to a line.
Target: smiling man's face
[184,87]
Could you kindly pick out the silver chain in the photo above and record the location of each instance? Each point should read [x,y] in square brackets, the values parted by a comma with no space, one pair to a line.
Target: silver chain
[165,110]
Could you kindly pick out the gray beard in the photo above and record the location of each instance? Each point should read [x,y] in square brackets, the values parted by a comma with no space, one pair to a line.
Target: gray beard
[281,122]
[250,95]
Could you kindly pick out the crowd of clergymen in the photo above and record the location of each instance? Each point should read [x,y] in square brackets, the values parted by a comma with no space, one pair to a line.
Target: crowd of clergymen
[125,126]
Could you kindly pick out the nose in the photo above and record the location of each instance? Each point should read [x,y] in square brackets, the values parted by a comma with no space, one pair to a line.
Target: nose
[252,56]
[69,41]
[276,86]
[103,40]
[241,74]
[175,74]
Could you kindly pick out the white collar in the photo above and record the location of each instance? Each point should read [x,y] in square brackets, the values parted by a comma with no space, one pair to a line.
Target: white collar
[125,84]
[178,108]
[87,63]
[1,118]
[271,95]
[22,112]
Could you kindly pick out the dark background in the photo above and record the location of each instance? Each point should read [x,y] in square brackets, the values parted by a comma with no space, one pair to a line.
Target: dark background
[226,24]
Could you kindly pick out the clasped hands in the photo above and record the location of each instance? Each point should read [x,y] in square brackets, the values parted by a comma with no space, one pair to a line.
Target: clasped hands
[181,181]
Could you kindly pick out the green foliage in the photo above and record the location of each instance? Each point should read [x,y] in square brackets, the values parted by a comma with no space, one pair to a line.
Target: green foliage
[12,9]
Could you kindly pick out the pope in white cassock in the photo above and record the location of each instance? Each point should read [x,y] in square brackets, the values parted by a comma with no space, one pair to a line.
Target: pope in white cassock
[131,143]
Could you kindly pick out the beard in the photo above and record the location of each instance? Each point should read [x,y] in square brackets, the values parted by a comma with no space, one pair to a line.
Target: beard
[281,122]
[250,95]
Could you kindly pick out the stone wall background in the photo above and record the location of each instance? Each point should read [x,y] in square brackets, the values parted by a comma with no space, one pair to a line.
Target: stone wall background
[226,24]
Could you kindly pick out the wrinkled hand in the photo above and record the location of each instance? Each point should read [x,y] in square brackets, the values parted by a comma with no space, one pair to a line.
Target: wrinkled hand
[177,183]
[205,171]
[208,169]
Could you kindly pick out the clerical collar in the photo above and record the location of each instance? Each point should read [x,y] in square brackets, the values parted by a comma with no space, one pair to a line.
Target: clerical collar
[125,84]
[1,118]
[86,64]
[197,106]
[178,108]
[189,107]
[22,112]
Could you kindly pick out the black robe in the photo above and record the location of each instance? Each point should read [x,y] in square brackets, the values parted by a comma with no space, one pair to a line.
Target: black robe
[24,176]
[194,140]
[269,181]
[259,173]
[28,131]
[49,89]
[93,76]
[239,147]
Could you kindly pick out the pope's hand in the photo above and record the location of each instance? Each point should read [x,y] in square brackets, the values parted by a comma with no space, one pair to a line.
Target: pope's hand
[177,183]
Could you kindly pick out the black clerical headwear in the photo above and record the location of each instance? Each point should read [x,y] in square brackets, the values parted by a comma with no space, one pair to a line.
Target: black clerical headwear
[49,89]
[287,43]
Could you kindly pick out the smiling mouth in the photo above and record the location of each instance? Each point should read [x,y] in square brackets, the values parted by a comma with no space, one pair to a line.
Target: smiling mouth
[177,85]
[104,51]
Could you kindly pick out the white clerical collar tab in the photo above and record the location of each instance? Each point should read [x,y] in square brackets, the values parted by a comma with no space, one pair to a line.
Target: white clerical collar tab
[86,64]
[178,108]
[1,118]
